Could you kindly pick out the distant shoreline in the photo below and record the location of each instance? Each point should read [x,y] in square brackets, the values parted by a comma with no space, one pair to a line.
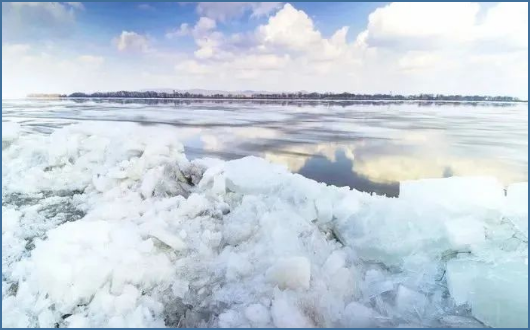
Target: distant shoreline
[298,96]
[273,99]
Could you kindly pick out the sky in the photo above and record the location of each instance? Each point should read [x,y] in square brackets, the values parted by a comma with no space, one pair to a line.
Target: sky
[405,48]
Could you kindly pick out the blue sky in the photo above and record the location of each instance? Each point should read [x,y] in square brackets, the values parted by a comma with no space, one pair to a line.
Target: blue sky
[464,48]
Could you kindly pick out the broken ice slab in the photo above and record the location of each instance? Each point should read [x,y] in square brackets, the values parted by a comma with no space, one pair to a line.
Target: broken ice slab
[455,192]
[517,206]
[497,293]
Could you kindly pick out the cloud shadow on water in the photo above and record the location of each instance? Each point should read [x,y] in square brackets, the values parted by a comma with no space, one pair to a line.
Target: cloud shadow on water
[341,172]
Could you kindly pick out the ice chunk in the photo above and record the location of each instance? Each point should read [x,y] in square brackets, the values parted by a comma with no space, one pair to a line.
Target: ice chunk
[253,175]
[517,194]
[77,321]
[517,206]
[10,219]
[243,250]
[287,314]
[324,209]
[410,302]
[460,276]
[464,232]
[456,193]
[10,131]
[292,273]
[258,315]
[335,261]
[149,181]
[356,315]
[347,206]
[497,293]
[456,321]
[500,295]
[169,239]
[237,266]
[46,319]
[79,258]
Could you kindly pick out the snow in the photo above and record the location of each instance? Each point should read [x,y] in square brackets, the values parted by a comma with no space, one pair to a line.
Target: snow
[290,273]
[10,131]
[110,225]
[357,315]
[258,315]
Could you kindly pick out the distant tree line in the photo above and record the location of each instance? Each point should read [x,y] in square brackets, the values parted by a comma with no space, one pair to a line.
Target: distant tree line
[299,96]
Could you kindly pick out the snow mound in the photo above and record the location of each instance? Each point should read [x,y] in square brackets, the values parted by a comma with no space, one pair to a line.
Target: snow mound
[112,226]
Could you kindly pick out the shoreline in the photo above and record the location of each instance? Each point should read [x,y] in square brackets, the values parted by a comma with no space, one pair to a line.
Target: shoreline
[266,99]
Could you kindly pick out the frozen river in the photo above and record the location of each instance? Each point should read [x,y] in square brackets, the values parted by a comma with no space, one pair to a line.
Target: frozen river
[369,146]
[109,221]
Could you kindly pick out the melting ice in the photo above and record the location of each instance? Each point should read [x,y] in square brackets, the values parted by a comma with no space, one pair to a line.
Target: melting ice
[111,225]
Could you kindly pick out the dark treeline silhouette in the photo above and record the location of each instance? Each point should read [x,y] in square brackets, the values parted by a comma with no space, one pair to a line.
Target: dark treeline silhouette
[281,102]
[299,96]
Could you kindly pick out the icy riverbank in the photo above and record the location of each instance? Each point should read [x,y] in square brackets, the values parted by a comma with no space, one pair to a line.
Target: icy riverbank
[111,225]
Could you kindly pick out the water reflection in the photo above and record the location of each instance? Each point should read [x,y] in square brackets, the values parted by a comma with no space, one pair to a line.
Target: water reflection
[370,146]
[340,171]
[342,103]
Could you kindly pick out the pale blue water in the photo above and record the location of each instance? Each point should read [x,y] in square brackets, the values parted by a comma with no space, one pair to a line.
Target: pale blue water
[370,146]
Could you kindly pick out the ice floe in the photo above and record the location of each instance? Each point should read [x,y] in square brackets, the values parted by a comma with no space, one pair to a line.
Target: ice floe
[111,225]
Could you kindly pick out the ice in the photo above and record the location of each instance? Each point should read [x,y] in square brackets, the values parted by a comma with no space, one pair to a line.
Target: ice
[10,219]
[292,273]
[253,175]
[517,206]
[112,226]
[465,232]
[10,131]
[410,302]
[455,193]
[357,315]
[497,293]
[287,314]
[460,277]
[258,315]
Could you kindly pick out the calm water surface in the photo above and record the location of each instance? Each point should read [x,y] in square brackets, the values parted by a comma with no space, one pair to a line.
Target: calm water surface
[369,146]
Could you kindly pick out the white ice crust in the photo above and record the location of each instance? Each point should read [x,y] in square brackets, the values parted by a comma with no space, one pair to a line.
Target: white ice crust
[112,226]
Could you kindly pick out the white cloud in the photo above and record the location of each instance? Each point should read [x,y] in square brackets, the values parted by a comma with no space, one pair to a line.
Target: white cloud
[13,50]
[244,66]
[420,24]
[418,60]
[201,28]
[225,11]
[94,61]
[290,28]
[146,6]
[28,70]
[31,19]
[505,26]
[405,48]
[76,5]
[132,41]
[183,30]
[261,9]
[417,26]
[292,31]
[205,24]
[192,67]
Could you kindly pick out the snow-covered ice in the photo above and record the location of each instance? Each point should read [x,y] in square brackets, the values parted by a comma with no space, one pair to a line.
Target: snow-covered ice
[111,225]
